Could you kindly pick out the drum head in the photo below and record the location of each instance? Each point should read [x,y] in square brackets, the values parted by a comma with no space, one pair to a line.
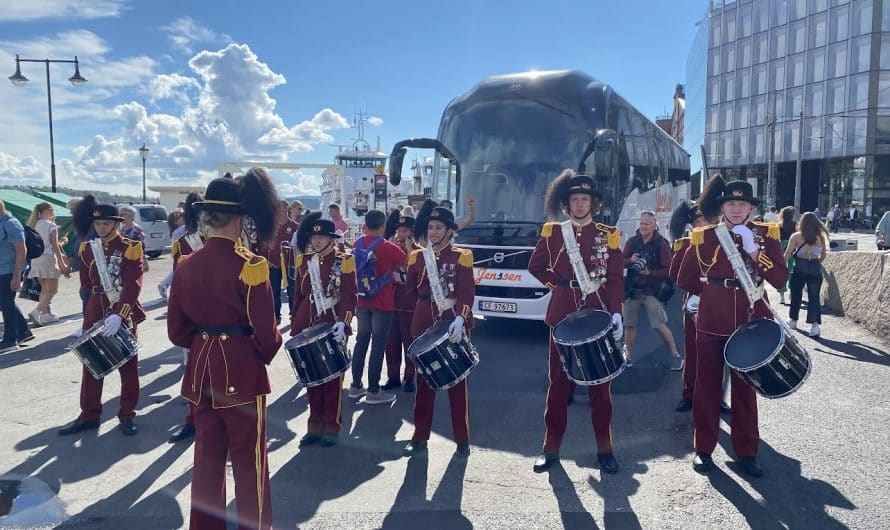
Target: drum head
[432,337]
[87,335]
[754,343]
[310,335]
[582,327]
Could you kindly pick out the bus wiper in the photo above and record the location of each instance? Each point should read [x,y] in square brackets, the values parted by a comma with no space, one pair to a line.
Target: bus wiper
[552,107]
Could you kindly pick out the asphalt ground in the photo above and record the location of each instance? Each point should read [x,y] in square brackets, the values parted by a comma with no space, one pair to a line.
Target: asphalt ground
[824,448]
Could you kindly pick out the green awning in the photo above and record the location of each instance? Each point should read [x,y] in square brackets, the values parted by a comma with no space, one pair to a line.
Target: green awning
[57,199]
[21,204]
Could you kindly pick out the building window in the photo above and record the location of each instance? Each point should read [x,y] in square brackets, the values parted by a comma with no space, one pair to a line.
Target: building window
[885,48]
[740,146]
[745,21]
[715,31]
[780,12]
[743,83]
[758,111]
[858,91]
[797,9]
[795,70]
[761,16]
[713,116]
[856,133]
[839,2]
[757,145]
[833,139]
[793,102]
[882,131]
[777,46]
[862,11]
[728,58]
[817,6]
[835,101]
[818,31]
[839,25]
[744,59]
[777,74]
[714,62]
[760,48]
[816,65]
[742,109]
[812,136]
[861,56]
[884,91]
[727,87]
[726,117]
[814,95]
[837,60]
[885,18]
[713,90]
[759,79]
[726,148]
[797,36]
[729,27]
[779,98]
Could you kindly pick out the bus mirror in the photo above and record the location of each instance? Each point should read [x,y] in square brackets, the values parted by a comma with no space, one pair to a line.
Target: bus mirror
[397,156]
[396,159]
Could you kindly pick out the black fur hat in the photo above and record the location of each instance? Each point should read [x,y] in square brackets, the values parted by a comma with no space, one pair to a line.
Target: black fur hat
[684,214]
[421,221]
[313,225]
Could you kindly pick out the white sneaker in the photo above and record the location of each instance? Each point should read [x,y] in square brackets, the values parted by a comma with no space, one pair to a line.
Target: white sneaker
[378,398]
[791,323]
[356,392]
[35,316]
[47,318]
[815,331]
[163,291]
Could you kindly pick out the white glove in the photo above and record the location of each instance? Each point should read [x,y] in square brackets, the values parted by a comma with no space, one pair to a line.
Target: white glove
[112,324]
[747,238]
[339,331]
[456,330]
[617,326]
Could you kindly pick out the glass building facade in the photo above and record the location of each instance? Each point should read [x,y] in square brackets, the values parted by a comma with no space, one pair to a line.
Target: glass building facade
[767,68]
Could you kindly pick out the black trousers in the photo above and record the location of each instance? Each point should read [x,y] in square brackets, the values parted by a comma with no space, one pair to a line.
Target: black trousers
[811,279]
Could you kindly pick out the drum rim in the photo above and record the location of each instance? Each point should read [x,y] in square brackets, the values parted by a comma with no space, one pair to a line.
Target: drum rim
[598,381]
[797,386]
[302,341]
[114,367]
[768,359]
[326,379]
[86,335]
[462,376]
[587,340]
[438,342]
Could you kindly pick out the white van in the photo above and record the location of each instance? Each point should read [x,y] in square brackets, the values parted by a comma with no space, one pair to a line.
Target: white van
[153,219]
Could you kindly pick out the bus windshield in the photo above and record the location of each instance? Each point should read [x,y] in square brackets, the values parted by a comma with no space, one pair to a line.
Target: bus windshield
[510,151]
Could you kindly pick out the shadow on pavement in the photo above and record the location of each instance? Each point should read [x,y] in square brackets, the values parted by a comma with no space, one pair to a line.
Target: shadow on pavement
[411,509]
[35,352]
[854,351]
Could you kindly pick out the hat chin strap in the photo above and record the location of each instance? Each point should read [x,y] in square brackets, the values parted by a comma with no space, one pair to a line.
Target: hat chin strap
[447,237]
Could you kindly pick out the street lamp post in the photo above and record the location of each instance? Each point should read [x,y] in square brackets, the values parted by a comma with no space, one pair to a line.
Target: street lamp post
[144,152]
[18,79]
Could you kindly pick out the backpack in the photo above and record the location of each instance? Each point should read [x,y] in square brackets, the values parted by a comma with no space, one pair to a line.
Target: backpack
[369,285]
[33,243]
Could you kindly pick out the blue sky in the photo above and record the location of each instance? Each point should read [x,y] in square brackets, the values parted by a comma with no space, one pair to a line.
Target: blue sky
[202,82]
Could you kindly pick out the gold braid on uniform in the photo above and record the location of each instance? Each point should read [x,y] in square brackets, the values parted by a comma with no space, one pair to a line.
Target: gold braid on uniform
[134,250]
[255,270]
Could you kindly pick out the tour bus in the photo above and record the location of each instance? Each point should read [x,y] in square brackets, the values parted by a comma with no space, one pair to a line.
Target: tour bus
[504,142]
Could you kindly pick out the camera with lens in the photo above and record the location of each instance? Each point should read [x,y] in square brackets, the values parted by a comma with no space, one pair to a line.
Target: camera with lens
[633,270]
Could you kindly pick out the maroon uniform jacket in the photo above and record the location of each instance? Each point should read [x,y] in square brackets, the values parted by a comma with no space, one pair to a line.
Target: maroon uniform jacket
[600,249]
[274,251]
[680,246]
[723,309]
[402,300]
[126,256]
[180,249]
[338,279]
[455,267]
[225,286]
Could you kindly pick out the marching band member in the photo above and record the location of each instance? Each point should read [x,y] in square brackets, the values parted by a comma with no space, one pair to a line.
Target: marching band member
[316,244]
[577,197]
[221,309]
[278,254]
[723,308]
[399,229]
[121,258]
[455,266]
[190,241]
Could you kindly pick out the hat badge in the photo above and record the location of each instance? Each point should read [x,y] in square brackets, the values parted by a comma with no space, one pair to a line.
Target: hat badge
[434,214]
[403,220]
[585,185]
[96,213]
[738,193]
[316,228]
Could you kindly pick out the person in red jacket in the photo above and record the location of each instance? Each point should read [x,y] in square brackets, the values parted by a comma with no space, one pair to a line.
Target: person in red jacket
[723,307]
[316,240]
[455,266]
[399,230]
[577,197]
[123,259]
[277,254]
[221,309]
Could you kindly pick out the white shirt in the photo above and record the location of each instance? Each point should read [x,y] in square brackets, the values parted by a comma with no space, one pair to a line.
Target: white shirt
[771,217]
[46,227]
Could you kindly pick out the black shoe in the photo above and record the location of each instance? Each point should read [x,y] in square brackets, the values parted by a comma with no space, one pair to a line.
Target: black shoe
[392,383]
[26,337]
[409,387]
[724,408]
[703,463]
[607,462]
[310,438]
[544,461]
[8,346]
[751,466]
[684,405]
[183,433]
[78,425]
[329,440]
[415,448]
[128,427]
[463,450]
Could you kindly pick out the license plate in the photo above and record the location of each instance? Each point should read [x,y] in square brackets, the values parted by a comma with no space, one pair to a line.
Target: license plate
[499,307]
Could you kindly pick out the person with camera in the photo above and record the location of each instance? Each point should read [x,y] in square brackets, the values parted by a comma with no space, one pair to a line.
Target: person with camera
[647,259]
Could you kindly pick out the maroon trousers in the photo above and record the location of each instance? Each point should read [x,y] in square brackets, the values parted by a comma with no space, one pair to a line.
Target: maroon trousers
[556,413]
[325,406]
[425,402]
[397,346]
[709,395]
[690,366]
[91,392]
[240,432]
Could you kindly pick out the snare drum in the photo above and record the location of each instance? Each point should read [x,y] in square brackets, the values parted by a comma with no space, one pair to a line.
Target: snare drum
[691,306]
[103,355]
[589,353]
[316,356]
[774,363]
[442,363]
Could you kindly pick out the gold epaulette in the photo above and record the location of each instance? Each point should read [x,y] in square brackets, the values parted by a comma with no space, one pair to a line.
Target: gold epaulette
[698,234]
[466,257]
[679,243]
[614,235]
[134,249]
[174,248]
[347,262]
[547,229]
[412,257]
[298,260]
[772,230]
[83,246]
[255,270]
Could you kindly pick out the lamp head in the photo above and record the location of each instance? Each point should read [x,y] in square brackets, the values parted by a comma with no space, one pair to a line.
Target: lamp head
[17,78]
[77,79]
[144,152]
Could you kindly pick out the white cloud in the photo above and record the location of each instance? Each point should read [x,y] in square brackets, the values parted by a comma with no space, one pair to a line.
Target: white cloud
[375,121]
[24,10]
[174,87]
[304,135]
[184,32]
[22,171]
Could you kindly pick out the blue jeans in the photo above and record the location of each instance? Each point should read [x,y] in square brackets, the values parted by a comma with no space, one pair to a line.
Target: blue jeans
[275,280]
[373,328]
[14,324]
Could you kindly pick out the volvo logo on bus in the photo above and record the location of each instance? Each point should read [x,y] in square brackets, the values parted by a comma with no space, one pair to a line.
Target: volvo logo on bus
[498,257]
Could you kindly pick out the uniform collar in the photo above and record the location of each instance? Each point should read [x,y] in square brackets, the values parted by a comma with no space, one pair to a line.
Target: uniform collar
[324,253]
[583,224]
[115,235]
[439,250]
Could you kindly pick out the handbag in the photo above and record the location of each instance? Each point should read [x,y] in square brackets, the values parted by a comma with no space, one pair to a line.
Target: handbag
[30,289]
